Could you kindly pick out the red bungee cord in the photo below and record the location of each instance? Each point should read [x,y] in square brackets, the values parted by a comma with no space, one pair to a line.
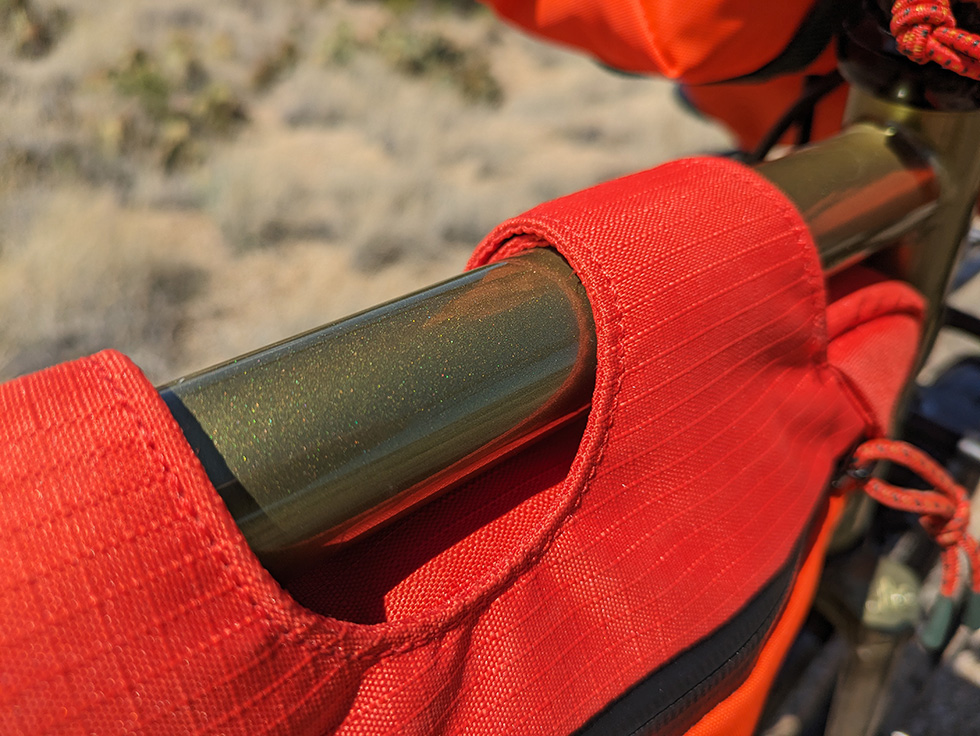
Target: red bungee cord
[944,512]
[927,31]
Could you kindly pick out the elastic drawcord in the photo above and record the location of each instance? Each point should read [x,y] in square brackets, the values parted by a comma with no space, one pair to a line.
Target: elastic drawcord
[927,31]
[944,513]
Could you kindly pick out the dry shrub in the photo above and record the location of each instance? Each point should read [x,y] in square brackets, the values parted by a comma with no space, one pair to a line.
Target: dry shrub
[463,7]
[179,107]
[40,162]
[366,172]
[260,195]
[272,67]
[33,32]
[139,76]
[340,45]
[415,48]
[434,55]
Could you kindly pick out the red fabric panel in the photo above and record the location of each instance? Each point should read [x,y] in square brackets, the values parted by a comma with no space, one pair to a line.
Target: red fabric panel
[749,111]
[128,599]
[874,329]
[739,713]
[523,603]
[700,42]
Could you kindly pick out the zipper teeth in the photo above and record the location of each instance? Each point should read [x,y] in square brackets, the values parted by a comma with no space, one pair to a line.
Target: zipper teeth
[703,669]
[684,709]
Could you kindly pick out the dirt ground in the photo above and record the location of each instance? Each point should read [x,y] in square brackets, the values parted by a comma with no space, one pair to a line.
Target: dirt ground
[189,181]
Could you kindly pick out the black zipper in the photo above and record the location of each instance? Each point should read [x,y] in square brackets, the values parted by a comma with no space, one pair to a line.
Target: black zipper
[674,697]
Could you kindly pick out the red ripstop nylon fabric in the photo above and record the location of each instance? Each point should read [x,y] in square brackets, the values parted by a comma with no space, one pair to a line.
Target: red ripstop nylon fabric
[701,44]
[523,603]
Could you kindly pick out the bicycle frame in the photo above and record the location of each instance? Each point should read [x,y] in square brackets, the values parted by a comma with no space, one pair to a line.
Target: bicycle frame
[897,182]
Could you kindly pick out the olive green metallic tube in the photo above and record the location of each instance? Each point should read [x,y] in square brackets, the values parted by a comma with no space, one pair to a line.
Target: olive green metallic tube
[858,191]
[333,433]
[899,180]
[927,255]
[327,436]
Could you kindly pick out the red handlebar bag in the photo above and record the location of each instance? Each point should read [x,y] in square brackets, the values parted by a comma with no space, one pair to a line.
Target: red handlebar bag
[643,573]
[742,62]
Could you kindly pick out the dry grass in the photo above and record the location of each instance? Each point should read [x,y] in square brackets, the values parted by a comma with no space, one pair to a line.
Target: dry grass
[206,179]
[90,274]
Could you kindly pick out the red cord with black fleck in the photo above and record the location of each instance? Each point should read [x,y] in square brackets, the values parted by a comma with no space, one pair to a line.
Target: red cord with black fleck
[927,31]
[944,511]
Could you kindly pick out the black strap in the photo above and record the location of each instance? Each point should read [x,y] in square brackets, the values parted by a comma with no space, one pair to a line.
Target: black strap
[799,114]
[814,35]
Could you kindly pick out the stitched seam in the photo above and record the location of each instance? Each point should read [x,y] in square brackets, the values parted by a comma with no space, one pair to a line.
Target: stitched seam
[366,708]
[530,612]
[524,226]
[808,259]
[404,636]
[192,512]
[586,666]
[467,590]
[176,481]
[508,571]
[527,226]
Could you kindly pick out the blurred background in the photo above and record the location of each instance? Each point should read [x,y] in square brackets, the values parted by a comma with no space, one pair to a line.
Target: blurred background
[188,181]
